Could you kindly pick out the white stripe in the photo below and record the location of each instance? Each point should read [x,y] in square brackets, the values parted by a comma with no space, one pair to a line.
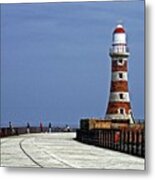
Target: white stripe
[117,58]
[119,97]
[116,76]
[119,117]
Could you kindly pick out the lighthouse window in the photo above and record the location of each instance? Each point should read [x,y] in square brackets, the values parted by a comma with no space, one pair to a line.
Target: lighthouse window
[121,96]
[120,75]
[120,62]
[121,111]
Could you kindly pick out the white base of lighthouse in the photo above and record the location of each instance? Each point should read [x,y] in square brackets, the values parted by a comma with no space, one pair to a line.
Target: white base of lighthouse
[120,117]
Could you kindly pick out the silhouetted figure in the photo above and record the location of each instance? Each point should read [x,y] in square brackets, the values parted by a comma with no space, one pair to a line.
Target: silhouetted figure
[50,128]
[11,129]
[41,127]
[10,125]
[28,128]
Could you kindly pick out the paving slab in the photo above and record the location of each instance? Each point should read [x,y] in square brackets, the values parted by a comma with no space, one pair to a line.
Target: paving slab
[60,150]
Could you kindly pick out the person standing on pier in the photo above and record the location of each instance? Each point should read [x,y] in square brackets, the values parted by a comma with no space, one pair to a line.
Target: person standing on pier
[10,127]
[28,128]
[41,127]
[50,128]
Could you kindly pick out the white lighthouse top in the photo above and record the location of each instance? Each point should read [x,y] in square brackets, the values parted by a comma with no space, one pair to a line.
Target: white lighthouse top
[119,35]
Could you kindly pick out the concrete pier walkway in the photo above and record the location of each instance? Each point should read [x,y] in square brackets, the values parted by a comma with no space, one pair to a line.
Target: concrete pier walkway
[59,150]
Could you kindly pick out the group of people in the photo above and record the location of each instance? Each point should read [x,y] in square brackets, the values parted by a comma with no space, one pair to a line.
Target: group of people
[41,127]
[28,128]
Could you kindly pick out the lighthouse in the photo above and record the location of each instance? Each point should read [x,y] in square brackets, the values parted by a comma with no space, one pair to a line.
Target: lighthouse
[119,105]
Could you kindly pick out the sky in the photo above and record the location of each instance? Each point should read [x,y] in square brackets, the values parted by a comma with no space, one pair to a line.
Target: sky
[55,64]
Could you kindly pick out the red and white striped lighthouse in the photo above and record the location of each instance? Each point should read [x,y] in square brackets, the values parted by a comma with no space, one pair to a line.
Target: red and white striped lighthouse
[119,107]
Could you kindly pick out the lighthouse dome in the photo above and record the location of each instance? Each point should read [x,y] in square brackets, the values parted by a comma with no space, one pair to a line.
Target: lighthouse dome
[119,29]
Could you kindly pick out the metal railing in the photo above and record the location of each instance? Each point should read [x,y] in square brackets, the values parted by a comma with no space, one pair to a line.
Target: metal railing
[119,50]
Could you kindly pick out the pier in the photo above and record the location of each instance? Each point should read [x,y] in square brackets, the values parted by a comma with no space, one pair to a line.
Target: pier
[61,150]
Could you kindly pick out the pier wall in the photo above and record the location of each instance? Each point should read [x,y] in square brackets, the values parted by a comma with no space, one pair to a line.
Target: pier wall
[128,140]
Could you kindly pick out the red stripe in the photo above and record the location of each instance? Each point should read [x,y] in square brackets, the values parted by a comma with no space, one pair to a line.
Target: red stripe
[114,106]
[119,30]
[119,86]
